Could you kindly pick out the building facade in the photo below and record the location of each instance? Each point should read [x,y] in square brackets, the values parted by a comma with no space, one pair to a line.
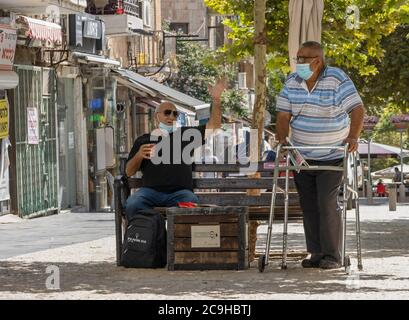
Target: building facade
[83,85]
[191,20]
[60,51]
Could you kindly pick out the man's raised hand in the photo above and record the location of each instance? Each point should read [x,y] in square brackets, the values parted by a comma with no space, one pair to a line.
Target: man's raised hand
[145,151]
[217,90]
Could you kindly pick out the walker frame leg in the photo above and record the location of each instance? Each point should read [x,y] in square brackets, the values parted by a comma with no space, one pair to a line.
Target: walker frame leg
[264,259]
[285,228]
[357,216]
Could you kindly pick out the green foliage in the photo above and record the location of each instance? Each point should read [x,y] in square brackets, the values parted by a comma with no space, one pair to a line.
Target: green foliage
[166,25]
[379,164]
[390,85]
[376,55]
[194,75]
[275,82]
[234,103]
[349,48]
[199,67]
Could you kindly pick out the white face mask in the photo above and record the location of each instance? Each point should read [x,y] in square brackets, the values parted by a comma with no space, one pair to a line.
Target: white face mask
[304,70]
[165,127]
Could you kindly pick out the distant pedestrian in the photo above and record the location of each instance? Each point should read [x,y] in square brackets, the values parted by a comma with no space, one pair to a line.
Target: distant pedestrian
[397,176]
[380,189]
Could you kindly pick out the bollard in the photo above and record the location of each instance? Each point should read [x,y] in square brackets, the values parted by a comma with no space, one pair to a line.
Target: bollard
[369,192]
[402,195]
[392,197]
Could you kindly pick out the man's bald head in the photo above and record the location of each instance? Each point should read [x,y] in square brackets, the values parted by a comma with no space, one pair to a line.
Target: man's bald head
[165,106]
[166,113]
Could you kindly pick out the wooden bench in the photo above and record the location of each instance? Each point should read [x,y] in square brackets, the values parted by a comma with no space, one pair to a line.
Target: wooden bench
[231,191]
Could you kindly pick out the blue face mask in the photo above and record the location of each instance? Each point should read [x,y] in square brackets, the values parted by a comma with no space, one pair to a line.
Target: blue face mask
[165,127]
[304,70]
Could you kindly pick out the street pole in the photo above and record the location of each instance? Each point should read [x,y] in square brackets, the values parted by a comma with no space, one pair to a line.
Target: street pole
[369,182]
[402,195]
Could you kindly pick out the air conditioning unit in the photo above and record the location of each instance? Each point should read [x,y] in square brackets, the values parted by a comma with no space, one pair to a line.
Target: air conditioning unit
[242,79]
[121,24]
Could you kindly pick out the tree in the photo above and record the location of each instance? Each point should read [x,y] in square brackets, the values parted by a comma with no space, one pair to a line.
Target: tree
[389,87]
[357,50]
[260,50]
[197,69]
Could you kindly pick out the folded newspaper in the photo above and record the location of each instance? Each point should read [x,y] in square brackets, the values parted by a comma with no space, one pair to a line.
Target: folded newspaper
[295,156]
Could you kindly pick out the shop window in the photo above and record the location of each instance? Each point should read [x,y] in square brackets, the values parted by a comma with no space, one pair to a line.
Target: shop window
[180,27]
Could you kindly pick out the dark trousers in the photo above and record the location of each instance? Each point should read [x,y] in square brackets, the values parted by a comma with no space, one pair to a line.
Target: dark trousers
[318,191]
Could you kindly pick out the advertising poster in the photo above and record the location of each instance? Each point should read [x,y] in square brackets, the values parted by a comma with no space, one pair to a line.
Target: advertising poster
[4,119]
[32,126]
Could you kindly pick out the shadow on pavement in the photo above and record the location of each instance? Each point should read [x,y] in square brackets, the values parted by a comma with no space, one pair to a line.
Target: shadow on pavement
[106,278]
[380,239]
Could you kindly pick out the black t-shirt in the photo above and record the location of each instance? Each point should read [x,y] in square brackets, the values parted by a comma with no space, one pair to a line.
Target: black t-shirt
[172,175]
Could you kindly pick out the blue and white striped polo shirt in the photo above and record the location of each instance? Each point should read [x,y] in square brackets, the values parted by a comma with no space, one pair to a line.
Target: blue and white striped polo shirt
[319,117]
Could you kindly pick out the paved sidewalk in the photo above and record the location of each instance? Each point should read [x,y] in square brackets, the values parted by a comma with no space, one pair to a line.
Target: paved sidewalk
[82,247]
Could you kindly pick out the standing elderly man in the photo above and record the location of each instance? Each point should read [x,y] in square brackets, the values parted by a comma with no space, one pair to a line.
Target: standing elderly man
[322,106]
[167,183]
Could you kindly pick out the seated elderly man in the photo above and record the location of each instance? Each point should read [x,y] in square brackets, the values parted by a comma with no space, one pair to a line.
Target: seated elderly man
[168,181]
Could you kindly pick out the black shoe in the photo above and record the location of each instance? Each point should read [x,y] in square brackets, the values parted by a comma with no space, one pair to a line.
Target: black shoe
[310,263]
[329,263]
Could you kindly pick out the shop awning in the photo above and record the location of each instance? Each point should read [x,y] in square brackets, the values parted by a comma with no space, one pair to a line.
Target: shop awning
[379,150]
[8,80]
[42,30]
[91,58]
[147,87]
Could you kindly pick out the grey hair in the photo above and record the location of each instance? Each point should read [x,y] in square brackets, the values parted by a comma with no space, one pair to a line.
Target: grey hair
[314,45]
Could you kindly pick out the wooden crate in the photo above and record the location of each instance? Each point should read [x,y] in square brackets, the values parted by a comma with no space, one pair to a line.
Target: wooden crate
[208,238]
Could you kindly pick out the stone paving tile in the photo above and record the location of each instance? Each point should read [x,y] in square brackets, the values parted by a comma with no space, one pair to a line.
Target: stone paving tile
[85,256]
[53,231]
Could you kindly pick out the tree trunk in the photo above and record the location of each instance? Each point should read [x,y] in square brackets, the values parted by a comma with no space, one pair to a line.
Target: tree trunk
[260,52]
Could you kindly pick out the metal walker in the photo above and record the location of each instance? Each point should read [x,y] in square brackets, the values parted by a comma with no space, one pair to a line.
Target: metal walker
[348,189]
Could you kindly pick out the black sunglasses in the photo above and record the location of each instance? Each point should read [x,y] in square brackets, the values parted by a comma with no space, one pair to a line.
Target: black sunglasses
[169,112]
[302,59]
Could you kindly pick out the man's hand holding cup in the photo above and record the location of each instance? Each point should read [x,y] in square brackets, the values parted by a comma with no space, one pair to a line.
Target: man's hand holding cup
[147,151]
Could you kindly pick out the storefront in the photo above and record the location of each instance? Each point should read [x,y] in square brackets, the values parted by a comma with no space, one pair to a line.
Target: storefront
[34,180]
[87,45]
[8,80]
